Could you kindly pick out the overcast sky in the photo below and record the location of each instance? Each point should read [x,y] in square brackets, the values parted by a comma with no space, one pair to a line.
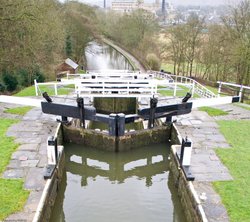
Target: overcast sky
[174,2]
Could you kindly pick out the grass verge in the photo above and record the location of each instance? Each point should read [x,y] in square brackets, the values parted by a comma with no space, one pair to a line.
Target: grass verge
[181,92]
[12,194]
[22,110]
[236,194]
[212,89]
[213,111]
[30,91]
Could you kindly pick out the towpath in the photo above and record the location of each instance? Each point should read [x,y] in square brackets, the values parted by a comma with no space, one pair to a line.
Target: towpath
[30,158]
[205,165]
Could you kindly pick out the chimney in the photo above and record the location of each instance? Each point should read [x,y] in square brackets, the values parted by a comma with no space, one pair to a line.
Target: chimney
[163,7]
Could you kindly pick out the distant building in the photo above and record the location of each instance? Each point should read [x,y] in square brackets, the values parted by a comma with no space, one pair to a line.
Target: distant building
[125,5]
[68,66]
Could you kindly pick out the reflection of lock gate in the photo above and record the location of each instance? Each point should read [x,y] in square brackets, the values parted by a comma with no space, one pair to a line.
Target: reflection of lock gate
[145,165]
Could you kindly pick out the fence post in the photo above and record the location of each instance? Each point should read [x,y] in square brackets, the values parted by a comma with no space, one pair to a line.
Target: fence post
[35,82]
[219,89]
[55,86]
[240,93]
[175,88]
[193,88]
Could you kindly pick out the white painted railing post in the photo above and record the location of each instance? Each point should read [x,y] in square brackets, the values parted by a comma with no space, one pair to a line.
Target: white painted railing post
[193,88]
[55,86]
[35,83]
[219,89]
[240,92]
[175,88]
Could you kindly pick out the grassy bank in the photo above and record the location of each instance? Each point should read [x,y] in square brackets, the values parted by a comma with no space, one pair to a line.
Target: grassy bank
[213,111]
[19,110]
[181,92]
[30,91]
[12,194]
[236,193]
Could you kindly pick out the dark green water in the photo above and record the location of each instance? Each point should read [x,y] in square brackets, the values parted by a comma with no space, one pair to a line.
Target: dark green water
[117,187]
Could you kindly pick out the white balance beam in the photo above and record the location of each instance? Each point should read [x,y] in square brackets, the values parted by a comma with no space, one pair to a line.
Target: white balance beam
[21,100]
[213,101]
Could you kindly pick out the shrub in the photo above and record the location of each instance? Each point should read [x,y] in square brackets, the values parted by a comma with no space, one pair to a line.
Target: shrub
[38,75]
[10,81]
[2,87]
[153,61]
[23,77]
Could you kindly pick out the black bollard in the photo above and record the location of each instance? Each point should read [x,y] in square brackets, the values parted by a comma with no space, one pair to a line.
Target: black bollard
[153,105]
[80,104]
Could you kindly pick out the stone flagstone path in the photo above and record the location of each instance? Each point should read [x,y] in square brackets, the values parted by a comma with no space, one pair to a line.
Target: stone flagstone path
[205,165]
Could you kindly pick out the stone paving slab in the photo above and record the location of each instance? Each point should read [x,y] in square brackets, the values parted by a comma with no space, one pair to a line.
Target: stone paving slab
[29,147]
[34,179]
[205,165]
[234,112]
[205,136]
[212,205]
[29,160]
[14,174]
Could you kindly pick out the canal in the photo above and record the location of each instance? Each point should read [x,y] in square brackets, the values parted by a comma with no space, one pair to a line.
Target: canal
[105,186]
[101,56]
[110,187]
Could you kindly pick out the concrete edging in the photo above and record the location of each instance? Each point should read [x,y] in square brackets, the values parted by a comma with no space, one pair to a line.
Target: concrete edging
[190,201]
[46,203]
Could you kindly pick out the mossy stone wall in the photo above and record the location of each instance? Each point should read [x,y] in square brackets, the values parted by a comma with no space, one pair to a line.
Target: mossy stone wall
[115,105]
[129,141]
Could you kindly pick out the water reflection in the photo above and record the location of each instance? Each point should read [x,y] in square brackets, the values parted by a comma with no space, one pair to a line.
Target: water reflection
[102,56]
[117,167]
[105,186]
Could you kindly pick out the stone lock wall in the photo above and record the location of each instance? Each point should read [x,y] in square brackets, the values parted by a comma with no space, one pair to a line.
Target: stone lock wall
[189,199]
[50,191]
[129,141]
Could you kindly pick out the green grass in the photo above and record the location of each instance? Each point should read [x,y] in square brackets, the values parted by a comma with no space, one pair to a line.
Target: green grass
[179,93]
[213,111]
[22,110]
[30,91]
[167,67]
[7,145]
[12,194]
[236,194]
[212,89]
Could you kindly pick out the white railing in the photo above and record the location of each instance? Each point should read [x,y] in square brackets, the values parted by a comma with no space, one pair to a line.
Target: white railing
[241,87]
[116,87]
[55,85]
[194,86]
[112,87]
[113,74]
